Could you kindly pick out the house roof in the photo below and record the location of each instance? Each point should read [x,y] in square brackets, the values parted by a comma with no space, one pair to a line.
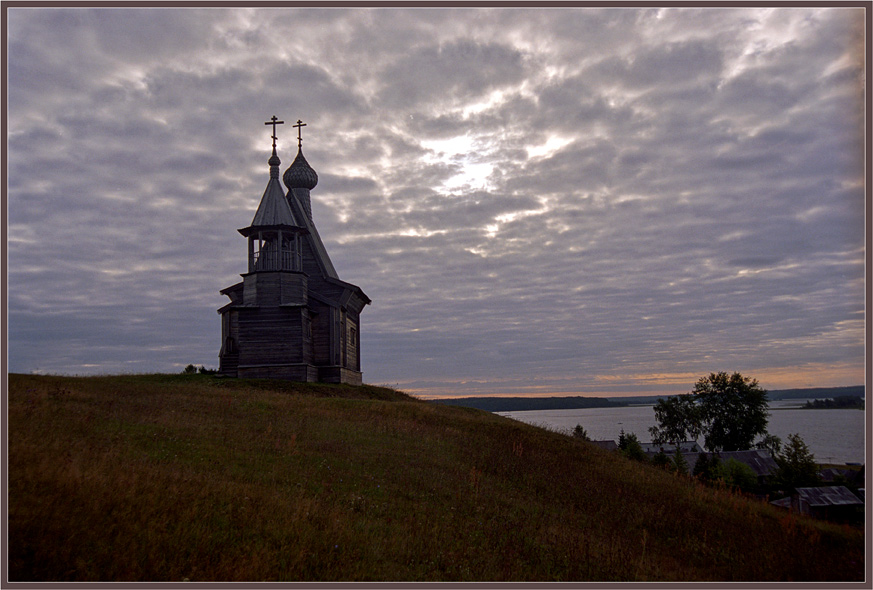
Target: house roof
[828,496]
[783,503]
[687,446]
[760,460]
[237,288]
[832,473]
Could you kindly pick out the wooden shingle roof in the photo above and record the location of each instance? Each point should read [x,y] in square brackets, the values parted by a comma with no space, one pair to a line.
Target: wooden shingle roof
[318,249]
[273,211]
[300,174]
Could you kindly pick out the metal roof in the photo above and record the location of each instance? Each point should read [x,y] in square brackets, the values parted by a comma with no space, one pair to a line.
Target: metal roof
[688,446]
[828,496]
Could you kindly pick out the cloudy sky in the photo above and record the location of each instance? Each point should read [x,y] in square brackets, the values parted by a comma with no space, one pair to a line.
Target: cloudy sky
[538,201]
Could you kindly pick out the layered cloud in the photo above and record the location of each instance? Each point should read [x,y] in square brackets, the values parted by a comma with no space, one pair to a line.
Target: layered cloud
[537,201]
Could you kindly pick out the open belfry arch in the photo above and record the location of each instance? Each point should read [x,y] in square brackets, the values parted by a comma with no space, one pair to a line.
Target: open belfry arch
[291,317]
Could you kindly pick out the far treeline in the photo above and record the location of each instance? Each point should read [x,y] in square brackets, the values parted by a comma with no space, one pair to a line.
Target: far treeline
[816,393]
[524,404]
[838,402]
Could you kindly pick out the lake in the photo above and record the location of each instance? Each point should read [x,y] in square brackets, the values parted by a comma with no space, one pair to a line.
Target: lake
[833,436]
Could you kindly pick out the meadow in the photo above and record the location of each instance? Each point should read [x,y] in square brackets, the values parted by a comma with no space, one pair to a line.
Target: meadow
[194,477]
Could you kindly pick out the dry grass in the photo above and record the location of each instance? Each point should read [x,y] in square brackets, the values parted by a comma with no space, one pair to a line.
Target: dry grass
[194,477]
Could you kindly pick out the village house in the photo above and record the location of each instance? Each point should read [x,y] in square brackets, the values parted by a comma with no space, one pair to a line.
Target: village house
[760,461]
[291,317]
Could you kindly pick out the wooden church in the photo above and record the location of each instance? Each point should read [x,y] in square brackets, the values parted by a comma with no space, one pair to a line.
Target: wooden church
[291,317]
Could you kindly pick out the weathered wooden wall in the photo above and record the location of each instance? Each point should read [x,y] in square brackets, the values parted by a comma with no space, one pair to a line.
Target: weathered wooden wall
[270,335]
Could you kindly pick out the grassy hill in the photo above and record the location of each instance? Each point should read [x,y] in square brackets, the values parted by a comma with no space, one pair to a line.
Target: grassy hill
[165,477]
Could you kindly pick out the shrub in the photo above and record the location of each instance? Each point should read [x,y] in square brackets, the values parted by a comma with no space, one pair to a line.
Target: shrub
[738,475]
[662,460]
[193,370]
[708,468]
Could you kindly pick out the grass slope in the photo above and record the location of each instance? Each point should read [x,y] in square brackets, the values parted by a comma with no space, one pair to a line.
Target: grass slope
[192,477]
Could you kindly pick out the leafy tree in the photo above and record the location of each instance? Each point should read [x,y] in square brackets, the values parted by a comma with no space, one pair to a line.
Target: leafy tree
[771,443]
[734,410]
[729,410]
[679,419]
[579,432]
[796,465]
[189,370]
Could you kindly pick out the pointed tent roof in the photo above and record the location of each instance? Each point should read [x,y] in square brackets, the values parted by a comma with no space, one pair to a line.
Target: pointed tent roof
[273,211]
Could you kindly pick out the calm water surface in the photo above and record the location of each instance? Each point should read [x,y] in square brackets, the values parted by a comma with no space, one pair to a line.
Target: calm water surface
[833,436]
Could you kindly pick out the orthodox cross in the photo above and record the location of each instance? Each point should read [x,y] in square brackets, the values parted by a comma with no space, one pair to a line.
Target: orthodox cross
[274,122]
[300,124]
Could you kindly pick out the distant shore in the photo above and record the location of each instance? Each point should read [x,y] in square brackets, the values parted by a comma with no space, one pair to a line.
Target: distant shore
[524,404]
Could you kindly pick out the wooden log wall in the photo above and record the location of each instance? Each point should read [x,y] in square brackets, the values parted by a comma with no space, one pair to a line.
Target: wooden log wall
[270,335]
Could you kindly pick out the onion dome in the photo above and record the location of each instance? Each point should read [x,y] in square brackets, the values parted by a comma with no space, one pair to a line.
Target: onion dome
[300,174]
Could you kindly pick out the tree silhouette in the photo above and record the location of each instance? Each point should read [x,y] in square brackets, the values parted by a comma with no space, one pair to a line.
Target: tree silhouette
[729,410]
[796,463]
